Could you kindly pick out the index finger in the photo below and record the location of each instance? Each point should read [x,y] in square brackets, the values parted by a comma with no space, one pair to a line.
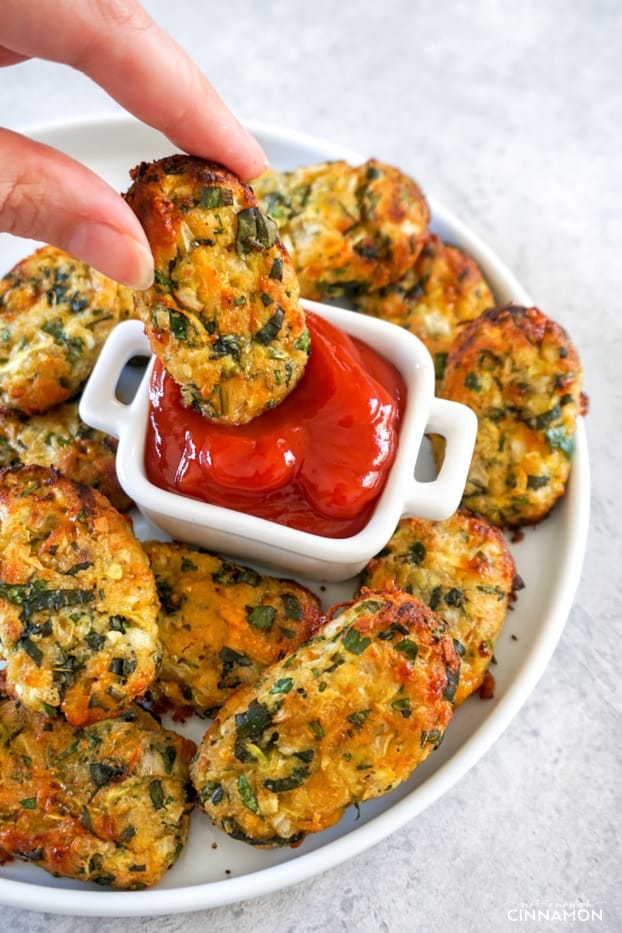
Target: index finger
[116,43]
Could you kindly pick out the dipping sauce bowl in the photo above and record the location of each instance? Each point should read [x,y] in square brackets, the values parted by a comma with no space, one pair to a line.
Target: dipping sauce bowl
[258,540]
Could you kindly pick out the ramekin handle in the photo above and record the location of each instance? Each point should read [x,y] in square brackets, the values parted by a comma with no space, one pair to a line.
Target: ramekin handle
[99,405]
[439,498]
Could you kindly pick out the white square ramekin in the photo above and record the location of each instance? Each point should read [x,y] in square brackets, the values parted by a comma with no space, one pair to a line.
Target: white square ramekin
[248,538]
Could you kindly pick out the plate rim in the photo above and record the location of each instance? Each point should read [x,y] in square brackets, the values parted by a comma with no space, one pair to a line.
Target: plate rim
[211,894]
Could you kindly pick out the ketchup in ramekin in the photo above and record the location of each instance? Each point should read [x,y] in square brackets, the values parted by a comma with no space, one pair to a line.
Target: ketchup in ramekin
[317,462]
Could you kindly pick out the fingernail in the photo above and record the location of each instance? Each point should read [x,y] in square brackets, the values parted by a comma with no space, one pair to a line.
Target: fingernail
[112,253]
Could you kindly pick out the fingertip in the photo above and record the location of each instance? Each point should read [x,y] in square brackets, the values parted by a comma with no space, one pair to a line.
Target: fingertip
[257,161]
[231,144]
[248,153]
[112,252]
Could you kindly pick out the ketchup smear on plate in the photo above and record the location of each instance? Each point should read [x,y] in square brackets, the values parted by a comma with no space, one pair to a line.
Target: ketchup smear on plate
[317,462]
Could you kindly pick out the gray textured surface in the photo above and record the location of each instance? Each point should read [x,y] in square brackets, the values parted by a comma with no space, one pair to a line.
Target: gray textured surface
[510,114]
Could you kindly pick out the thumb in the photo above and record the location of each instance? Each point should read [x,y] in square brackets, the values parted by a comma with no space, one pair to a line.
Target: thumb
[45,195]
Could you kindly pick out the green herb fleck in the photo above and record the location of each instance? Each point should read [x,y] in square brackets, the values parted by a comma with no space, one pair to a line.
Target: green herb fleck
[102,773]
[67,752]
[246,794]
[157,794]
[558,439]
[440,364]
[454,597]
[233,573]
[369,605]
[537,482]
[416,552]
[118,623]
[83,565]
[215,196]
[359,718]
[354,642]
[35,597]
[270,329]
[283,685]
[251,723]
[316,728]
[226,345]
[435,597]
[128,833]
[255,231]
[168,754]
[402,705]
[32,650]
[276,272]
[212,791]
[261,617]
[295,779]
[409,648]
[231,659]
[431,737]
[453,677]
[471,381]
[162,279]
[304,342]
[178,324]
[85,819]
[292,607]
[55,329]
[544,419]
[169,599]
[122,667]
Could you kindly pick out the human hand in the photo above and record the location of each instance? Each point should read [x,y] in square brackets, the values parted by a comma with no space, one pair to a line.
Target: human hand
[46,195]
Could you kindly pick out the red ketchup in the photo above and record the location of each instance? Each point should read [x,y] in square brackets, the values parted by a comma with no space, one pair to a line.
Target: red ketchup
[317,462]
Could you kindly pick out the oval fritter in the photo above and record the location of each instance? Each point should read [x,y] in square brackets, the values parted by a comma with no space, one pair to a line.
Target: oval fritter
[106,803]
[462,569]
[345,718]
[349,229]
[55,314]
[224,314]
[442,290]
[520,373]
[220,625]
[60,439]
[78,603]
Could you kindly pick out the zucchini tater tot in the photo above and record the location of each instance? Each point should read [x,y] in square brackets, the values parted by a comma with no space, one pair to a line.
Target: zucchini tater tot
[520,373]
[463,570]
[224,314]
[442,291]
[220,625]
[349,229]
[55,314]
[60,439]
[345,718]
[78,603]
[105,804]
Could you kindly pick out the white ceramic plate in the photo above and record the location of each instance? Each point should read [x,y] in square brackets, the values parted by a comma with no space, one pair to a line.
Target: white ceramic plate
[214,870]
